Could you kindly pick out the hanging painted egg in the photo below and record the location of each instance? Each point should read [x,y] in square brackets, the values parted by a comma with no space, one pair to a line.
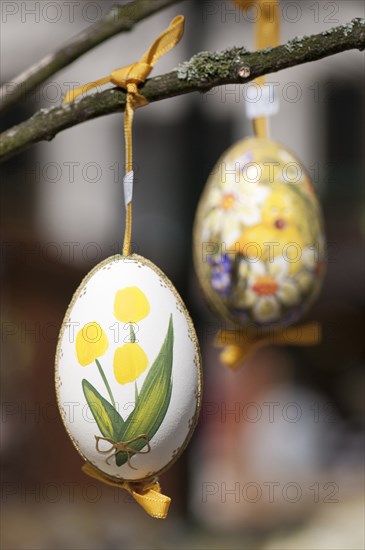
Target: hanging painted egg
[128,372]
[258,236]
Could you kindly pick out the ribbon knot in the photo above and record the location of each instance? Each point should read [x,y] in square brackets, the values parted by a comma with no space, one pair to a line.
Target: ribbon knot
[131,76]
[136,72]
[123,447]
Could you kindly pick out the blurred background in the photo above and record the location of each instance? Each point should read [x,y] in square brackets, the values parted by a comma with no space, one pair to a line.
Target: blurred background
[277,459]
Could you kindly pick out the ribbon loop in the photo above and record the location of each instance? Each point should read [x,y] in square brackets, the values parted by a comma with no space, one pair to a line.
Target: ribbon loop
[165,41]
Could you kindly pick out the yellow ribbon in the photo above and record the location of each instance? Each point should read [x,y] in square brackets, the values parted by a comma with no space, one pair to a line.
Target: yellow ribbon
[238,347]
[147,494]
[129,78]
[267,34]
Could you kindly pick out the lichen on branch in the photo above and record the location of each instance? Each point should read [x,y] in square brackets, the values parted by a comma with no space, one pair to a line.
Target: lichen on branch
[203,72]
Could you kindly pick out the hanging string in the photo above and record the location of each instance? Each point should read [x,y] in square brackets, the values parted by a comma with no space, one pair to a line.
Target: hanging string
[129,78]
[267,35]
[128,140]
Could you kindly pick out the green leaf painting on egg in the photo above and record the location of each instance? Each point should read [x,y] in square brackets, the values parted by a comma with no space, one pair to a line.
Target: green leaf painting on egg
[109,421]
[133,364]
[153,400]
[126,438]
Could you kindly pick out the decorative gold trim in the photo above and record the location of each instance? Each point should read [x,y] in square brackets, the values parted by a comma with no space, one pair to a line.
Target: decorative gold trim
[197,358]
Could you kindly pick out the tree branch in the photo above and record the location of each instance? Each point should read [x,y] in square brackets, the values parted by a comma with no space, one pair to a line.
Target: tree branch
[118,19]
[203,72]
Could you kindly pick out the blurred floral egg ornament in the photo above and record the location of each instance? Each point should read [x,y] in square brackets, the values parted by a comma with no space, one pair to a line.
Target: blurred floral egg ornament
[128,373]
[258,236]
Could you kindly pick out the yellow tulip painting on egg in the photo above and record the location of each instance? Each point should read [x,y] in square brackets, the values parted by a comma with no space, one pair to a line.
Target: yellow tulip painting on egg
[123,438]
[131,305]
[130,360]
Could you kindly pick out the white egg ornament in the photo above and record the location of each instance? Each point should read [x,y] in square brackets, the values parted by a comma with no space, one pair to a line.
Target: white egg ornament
[258,236]
[128,372]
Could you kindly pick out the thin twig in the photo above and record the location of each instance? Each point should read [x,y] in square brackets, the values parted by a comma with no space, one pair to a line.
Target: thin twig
[118,19]
[203,72]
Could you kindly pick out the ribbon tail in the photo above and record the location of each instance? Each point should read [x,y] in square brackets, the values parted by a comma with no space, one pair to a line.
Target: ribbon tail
[268,24]
[237,349]
[80,90]
[152,500]
[309,334]
[147,494]
[234,356]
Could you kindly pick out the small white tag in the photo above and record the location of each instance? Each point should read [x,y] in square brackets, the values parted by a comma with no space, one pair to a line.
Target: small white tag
[263,103]
[128,187]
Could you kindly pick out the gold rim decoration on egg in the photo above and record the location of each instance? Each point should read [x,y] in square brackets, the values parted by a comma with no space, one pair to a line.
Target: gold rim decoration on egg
[197,361]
